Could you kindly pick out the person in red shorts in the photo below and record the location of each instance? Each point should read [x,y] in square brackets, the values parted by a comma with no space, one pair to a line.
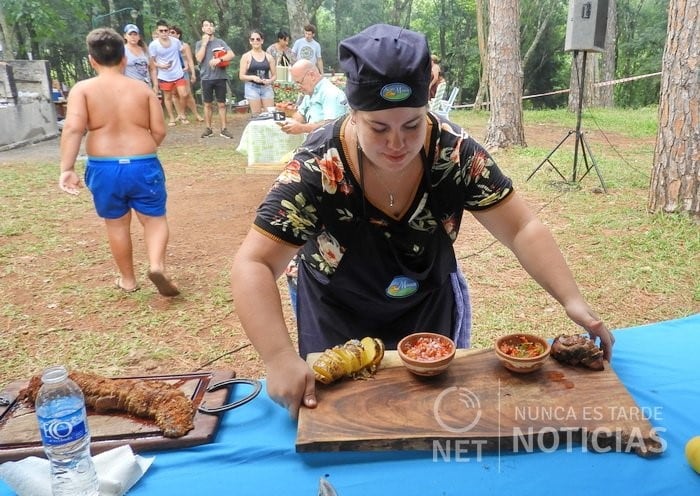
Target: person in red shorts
[165,52]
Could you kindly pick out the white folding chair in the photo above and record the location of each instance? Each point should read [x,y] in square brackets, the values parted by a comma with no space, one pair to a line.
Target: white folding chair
[439,94]
[444,106]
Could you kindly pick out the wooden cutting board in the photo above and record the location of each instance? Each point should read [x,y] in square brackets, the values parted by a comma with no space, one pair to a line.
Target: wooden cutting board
[19,430]
[477,405]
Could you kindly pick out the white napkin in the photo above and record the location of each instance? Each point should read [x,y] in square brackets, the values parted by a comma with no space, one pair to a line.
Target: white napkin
[117,470]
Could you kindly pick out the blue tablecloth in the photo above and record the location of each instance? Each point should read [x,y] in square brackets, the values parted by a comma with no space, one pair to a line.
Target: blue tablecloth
[254,449]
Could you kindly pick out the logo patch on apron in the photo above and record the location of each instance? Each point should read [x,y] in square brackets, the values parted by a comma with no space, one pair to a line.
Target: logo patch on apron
[401,287]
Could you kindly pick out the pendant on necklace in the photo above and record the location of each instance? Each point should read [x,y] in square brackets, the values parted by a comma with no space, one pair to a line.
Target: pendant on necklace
[391,200]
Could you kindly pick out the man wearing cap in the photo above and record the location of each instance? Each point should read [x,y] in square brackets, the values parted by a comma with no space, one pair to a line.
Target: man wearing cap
[323,101]
[374,204]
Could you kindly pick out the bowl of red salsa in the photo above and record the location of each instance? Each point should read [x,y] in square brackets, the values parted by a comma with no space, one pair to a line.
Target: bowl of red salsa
[426,353]
[521,352]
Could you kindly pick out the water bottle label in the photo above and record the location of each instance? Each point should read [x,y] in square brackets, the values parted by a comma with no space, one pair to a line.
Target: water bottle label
[61,430]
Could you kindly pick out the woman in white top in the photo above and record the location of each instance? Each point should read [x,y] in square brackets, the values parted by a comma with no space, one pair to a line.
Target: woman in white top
[138,62]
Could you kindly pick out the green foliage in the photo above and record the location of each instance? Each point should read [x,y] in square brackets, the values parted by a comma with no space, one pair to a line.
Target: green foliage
[450,27]
[640,44]
[56,31]
[544,68]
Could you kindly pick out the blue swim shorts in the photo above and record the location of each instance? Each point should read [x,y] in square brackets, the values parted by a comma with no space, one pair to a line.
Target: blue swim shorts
[119,184]
[254,91]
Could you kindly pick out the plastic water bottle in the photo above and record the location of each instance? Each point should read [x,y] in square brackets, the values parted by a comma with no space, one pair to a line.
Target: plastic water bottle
[60,409]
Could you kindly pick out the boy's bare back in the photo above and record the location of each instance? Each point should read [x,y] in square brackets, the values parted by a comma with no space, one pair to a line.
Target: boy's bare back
[123,116]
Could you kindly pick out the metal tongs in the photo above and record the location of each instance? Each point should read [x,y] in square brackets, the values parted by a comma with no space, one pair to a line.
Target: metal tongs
[257,387]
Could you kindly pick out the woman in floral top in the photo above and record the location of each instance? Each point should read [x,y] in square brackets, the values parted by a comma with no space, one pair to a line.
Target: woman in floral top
[374,202]
[281,51]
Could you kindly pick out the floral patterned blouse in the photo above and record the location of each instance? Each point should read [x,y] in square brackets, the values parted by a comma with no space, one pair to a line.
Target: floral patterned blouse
[316,200]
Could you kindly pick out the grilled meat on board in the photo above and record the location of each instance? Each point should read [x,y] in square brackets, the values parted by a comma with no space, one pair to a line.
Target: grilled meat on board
[159,401]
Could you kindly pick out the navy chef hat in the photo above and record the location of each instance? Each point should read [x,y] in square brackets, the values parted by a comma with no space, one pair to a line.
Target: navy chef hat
[386,67]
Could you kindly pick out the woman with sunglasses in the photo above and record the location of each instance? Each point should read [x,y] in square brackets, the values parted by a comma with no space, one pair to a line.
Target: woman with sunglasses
[258,70]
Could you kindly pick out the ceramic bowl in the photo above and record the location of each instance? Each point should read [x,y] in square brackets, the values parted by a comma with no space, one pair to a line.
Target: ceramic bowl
[505,350]
[415,351]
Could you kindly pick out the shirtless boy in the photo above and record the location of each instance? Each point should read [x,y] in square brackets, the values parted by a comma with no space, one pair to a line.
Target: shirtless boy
[125,125]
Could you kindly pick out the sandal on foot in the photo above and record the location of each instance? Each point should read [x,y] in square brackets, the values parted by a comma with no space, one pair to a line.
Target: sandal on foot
[172,123]
[118,284]
[183,119]
[163,284]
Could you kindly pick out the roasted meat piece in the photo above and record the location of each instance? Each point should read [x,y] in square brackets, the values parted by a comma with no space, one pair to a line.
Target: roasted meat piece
[577,350]
[159,401]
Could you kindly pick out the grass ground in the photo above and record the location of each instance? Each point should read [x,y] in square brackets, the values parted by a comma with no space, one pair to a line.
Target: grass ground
[58,303]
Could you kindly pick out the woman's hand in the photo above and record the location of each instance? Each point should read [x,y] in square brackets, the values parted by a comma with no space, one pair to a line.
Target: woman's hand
[290,382]
[582,315]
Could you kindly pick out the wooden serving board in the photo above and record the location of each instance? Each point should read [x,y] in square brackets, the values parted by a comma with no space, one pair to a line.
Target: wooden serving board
[477,405]
[19,430]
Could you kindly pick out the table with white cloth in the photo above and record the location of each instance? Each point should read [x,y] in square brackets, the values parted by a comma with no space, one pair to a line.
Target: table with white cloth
[267,146]
[254,450]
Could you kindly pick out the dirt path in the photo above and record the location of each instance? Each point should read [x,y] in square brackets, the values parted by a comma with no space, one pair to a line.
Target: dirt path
[211,204]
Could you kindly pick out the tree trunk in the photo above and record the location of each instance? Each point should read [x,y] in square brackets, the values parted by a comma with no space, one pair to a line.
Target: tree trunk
[400,13]
[481,34]
[298,17]
[675,177]
[8,48]
[112,21]
[589,79]
[442,35]
[505,126]
[605,93]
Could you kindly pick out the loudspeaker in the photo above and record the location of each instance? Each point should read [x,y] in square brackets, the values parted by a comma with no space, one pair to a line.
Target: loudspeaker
[587,25]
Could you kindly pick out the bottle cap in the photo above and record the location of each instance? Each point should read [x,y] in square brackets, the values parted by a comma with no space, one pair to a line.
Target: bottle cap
[54,374]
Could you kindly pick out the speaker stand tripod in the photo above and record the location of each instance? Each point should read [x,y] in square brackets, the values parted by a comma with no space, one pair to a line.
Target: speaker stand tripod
[580,140]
